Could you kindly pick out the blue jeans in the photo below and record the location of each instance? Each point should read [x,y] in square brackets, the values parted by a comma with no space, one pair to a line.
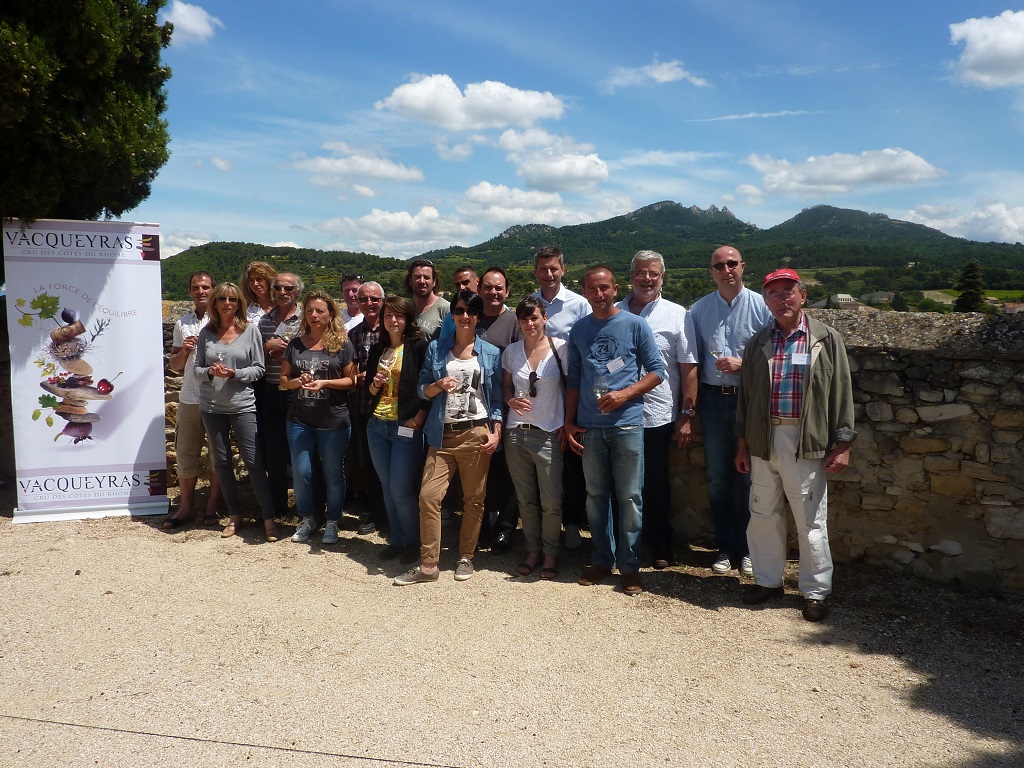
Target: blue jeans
[728,490]
[613,462]
[398,463]
[330,445]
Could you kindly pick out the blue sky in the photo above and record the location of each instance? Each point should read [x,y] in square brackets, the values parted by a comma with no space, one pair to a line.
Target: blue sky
[395,127]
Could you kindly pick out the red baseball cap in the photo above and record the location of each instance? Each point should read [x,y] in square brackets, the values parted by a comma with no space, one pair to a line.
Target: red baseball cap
[780,274]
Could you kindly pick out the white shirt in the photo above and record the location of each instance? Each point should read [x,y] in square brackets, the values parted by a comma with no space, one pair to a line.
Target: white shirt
[547,409]
[677,343]
[350,321]
[254,312]
[189,325]
[564,311]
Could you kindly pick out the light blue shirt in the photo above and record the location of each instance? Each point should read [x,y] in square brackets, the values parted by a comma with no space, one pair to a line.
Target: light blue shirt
[564,311]
[731,326]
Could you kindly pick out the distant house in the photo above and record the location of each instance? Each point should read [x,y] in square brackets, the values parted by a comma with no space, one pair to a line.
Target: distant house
[845,301]
[1012,308]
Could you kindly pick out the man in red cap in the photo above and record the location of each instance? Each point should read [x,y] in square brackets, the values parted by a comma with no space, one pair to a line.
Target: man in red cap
[794,424]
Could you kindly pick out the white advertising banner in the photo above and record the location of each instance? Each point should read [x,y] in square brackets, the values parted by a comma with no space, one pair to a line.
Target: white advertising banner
[87,368]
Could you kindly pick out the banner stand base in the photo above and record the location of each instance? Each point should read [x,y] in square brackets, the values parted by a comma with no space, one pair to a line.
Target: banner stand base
[91,513]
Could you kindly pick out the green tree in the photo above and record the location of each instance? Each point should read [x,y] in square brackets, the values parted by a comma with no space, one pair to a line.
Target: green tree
[972,293]
[899,303]
[81,95]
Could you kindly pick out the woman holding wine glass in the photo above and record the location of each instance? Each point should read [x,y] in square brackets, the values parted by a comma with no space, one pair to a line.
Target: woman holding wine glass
[319,366]
[395,429]
[534,386]
[228,364]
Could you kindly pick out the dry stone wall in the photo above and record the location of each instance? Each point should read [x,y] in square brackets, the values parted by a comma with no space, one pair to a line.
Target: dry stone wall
[936,481]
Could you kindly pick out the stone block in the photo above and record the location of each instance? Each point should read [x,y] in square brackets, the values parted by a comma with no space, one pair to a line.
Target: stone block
[940,464]
[1005,454]
[879,410]
[912,444]
[953,486]
[876,501]
[1011,395]
[981,453]
[880,383]
[1008,419]
[1006,438]
[976,392]
[990,373]
[913,546]
[1005,522]
[883,363]
[933,414]
[1006,493]
[928,394]
[903,556]
[983,472]
[907,416]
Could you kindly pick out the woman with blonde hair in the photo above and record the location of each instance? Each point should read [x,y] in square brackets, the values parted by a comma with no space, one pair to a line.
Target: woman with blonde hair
[257,277]
[229,361]
[319,366]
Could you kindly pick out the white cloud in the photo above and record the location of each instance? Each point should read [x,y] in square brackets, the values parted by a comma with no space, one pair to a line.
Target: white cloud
[839,173]
[351,163]
[660,159]
[192,23]
[436,99]
[173,243]
[504,206]
[987,222]
[751,195]
[221,163]
[553,163]
[400,233]
[285,244]
[993,54]
[758,115]
[657,72]
[455,152]
[364,191]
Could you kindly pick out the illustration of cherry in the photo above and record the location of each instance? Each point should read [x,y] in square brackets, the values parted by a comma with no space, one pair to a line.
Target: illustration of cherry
[68,315]
[106,386]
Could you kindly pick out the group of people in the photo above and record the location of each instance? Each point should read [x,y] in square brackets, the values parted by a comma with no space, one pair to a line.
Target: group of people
[560,413]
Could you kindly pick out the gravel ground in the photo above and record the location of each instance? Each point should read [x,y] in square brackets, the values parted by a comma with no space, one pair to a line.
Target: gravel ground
[123,644]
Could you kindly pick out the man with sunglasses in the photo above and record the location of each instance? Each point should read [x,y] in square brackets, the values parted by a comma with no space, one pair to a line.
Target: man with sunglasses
[277,327]
[669,407]
[725,320]
[367,485]
[352,314]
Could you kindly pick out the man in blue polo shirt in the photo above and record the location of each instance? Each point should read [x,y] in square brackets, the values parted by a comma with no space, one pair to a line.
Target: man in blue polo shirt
[613,362]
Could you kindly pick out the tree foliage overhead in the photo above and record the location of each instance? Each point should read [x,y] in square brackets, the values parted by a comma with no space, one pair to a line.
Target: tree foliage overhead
[81,95]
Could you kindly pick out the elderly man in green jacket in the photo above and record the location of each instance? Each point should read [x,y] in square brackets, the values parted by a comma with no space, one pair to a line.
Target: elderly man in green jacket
[794,424]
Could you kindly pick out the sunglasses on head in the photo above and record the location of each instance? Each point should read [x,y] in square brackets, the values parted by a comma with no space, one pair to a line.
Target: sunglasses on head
[460,311]
[731,264]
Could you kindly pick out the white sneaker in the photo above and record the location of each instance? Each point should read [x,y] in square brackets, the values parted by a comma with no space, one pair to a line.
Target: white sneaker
[723,564]
[305,530]
[330,533]
[746,566]
[572,537]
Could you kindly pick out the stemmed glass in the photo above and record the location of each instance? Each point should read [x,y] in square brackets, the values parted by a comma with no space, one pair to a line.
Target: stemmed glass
[600,386]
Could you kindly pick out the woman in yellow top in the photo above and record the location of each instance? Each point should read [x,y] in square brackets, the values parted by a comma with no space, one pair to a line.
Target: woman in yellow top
[395,428]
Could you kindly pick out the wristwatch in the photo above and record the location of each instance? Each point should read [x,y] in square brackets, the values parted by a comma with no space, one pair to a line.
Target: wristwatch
[687,412]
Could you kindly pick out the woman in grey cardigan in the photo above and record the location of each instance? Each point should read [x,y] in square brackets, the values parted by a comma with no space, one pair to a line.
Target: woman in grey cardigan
[229,361]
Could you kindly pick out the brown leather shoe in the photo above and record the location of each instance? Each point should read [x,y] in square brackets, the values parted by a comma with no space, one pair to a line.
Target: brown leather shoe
[593,574]
[631,583]
[815,610]
[757,594]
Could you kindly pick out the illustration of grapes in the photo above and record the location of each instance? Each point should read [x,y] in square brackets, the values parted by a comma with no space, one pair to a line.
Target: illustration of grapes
[68,376]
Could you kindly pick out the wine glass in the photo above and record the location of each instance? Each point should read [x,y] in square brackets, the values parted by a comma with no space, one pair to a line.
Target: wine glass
[715,348]
[600,386]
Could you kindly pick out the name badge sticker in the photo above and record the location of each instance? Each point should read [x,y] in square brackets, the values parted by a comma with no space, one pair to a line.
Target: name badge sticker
[801,358]
[614,365]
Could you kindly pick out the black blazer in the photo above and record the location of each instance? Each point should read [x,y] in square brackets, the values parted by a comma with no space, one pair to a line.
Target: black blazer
[409,402]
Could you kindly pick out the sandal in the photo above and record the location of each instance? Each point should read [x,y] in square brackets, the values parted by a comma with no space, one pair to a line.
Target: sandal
[272,531]
[210,520]
[229,530]
[525,568]
[548,574]
[170,522]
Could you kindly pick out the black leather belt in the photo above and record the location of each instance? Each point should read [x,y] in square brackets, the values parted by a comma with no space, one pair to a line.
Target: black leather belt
[462,426]
[725,389]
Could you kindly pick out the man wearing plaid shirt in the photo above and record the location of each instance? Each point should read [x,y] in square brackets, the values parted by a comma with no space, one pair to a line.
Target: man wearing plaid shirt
[794,424]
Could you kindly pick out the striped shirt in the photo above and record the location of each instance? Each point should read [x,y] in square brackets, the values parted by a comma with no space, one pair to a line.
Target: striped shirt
[790,359]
